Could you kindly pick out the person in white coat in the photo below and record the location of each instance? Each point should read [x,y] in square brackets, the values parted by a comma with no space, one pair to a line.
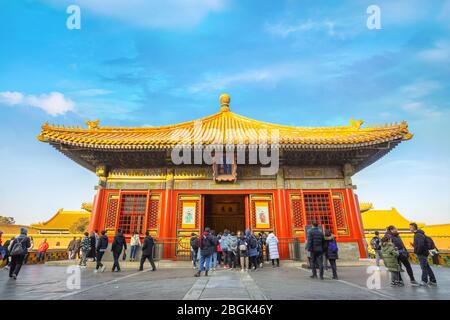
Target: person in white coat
[135,243]
[272,244]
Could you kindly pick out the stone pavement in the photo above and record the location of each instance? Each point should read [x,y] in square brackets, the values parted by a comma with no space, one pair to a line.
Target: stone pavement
[49,282]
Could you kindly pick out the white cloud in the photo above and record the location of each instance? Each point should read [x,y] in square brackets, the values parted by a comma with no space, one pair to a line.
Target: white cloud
[92,92]
[268,75]
[420,89]
[53,103]
[11,98]
[284,30]
[440,53]
[151,13]
[420,109]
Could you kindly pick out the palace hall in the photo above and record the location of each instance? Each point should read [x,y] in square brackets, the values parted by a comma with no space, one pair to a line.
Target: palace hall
[227,171]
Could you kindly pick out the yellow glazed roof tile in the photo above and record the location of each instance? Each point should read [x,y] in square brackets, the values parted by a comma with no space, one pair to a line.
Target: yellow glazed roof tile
[380,219]
[62,220]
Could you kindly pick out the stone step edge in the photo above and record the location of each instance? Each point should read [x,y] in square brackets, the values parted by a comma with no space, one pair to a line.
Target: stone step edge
[188,264]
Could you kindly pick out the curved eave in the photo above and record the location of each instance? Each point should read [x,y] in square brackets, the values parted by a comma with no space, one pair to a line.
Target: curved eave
[144,145]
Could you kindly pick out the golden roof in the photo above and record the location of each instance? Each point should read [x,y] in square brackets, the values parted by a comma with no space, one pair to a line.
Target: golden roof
[15,229]
[62,220]
[224,127]
[381,219]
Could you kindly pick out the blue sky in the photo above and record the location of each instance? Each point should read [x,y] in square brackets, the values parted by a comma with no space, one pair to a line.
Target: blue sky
[307,63]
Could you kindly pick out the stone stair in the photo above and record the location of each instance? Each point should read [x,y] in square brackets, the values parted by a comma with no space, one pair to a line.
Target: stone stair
[125,264]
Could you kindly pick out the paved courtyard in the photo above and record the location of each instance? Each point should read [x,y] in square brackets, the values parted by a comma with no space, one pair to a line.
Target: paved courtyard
[50,282]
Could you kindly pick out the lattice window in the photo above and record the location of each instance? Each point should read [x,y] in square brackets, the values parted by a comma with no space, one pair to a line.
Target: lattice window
[152,217]
[111,213]
[318,208]
[132,213]
[339,213]
[297,213]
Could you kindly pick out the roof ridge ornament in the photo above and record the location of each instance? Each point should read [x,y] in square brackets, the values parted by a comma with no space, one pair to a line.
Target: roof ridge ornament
[356,123]
[93,124]
[224,102]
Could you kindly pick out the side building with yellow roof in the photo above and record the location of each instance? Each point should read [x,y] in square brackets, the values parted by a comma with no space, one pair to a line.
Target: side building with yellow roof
[378,220]
[61,222]
[57,230]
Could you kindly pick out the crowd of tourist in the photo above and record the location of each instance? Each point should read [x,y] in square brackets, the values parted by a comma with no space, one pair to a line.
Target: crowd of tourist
[241,251]
[394,254]
[244,251]
[14,252]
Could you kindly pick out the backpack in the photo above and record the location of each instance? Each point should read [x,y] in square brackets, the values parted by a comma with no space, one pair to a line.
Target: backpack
[375,243]
[201,241]
[429,243]
[332,246]
[194,244]
[243,246]
[233,244]
[252,242]
[17,249]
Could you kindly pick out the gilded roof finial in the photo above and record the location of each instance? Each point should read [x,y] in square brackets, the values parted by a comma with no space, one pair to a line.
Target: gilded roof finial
[224,102]
[93,124]
[356,123]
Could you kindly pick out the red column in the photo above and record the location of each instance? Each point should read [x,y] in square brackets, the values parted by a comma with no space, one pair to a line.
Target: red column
[281,223]
[357,226]
[97,209]
[165,227]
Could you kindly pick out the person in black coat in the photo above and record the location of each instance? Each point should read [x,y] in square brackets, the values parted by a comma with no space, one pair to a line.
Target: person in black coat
[206,244]
[421,249]
[17,259]
[100,248]
[147,251]
[331,252]
[315,246]
[7,256]
[93,243]
[117,246]
[194,249]
[403,255]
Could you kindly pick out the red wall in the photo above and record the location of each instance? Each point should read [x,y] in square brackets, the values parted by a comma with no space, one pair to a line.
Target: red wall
[281,204]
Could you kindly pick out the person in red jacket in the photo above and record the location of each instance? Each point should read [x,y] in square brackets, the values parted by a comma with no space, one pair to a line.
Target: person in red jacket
[43,247]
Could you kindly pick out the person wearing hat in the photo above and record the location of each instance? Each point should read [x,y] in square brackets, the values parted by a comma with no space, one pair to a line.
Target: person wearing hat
[18,248]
